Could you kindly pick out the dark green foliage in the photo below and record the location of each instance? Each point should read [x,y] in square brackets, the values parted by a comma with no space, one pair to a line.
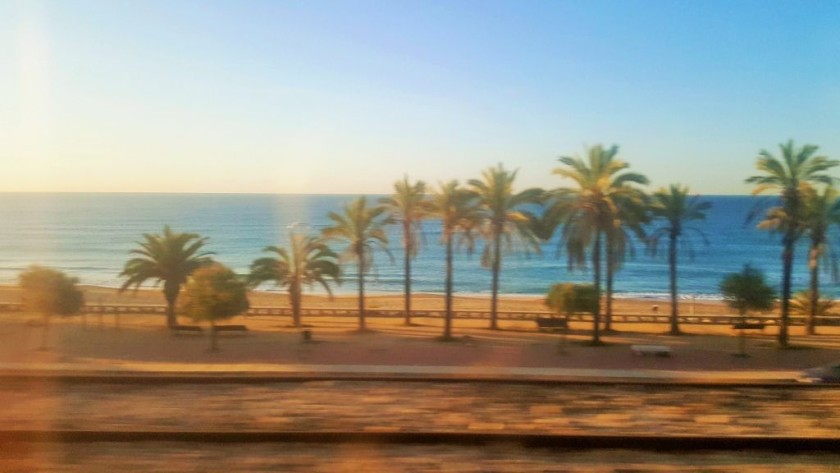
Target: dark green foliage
[459,214]
[568,298]
[674,209]
[747,290]
[213,293]
[50,292]
[169,258]
[504,223]
[408,207]
[308,262]
[594,209]
[790,175]
[363,229]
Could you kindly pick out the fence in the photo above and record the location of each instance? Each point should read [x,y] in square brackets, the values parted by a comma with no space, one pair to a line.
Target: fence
[459,314]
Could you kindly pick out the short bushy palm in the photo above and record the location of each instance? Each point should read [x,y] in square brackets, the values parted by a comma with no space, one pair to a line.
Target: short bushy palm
[169,258]
[307,262]
[789,175]
[363,229]
[674,209]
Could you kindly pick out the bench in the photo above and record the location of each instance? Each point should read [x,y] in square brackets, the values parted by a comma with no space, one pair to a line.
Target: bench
[748,326]
[550,323]
[230,328]
[658,350]
[187,329]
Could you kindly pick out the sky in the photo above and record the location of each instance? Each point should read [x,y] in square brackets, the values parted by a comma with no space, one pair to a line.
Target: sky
[348,96]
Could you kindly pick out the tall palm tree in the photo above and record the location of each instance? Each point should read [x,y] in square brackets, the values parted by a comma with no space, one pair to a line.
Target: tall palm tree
[458,212]
[789,175]
[676,209]
[308,262]
[169,258]
[408,206]
[587,210]
[630,216]
[363,228]
[505,219]
[822,210]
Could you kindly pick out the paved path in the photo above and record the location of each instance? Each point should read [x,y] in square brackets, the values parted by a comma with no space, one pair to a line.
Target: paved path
[664,407]
[390,406]
[283,371]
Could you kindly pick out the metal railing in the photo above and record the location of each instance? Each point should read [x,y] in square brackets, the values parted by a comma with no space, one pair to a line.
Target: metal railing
[768,320]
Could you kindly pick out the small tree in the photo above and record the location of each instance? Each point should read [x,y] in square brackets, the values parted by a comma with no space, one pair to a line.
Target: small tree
[570,298]
[214,293]
[50,292]
[746,291]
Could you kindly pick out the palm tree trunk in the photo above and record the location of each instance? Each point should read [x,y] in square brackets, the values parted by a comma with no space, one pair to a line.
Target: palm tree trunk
[672,270]
[447,328]
[813,265]
[787,270]
[610,275]
[295,296]
[362,325]
[170,292]
[596,265]
[497,268]
[407,245]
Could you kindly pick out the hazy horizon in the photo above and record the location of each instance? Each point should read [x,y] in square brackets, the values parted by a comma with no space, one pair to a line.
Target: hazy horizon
[347,97]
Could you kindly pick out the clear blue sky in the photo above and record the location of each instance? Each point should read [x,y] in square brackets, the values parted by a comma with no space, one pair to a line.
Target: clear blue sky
[347,96]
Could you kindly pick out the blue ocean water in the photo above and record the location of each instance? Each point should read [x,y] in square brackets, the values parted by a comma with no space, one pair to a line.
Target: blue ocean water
[90,235]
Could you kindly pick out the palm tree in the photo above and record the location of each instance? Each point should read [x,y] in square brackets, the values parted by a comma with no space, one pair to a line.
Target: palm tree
[458,211]
[587,210]
[504,219]
[363,228]
[631,213]
[676,209]
[801,303]
[169,258]
[821,211]
[787,175]
[308,262]
[409,207]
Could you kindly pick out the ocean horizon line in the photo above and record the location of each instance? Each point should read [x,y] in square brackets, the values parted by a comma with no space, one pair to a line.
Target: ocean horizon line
[284,194]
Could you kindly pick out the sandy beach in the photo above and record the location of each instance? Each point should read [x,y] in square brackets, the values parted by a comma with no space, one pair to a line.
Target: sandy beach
[102,295]
[109,339]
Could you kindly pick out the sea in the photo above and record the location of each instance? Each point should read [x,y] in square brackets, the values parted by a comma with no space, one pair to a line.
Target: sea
[89,236]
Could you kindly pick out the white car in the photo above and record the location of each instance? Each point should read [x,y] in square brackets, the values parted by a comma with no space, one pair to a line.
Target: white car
[824,374]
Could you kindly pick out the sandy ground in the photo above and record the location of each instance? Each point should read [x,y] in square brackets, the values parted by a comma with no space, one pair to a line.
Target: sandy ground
[99,295]
[133,338]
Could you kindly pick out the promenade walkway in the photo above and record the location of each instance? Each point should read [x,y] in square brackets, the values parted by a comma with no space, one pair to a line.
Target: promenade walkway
[301,401]
[422,398]
[280,372]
